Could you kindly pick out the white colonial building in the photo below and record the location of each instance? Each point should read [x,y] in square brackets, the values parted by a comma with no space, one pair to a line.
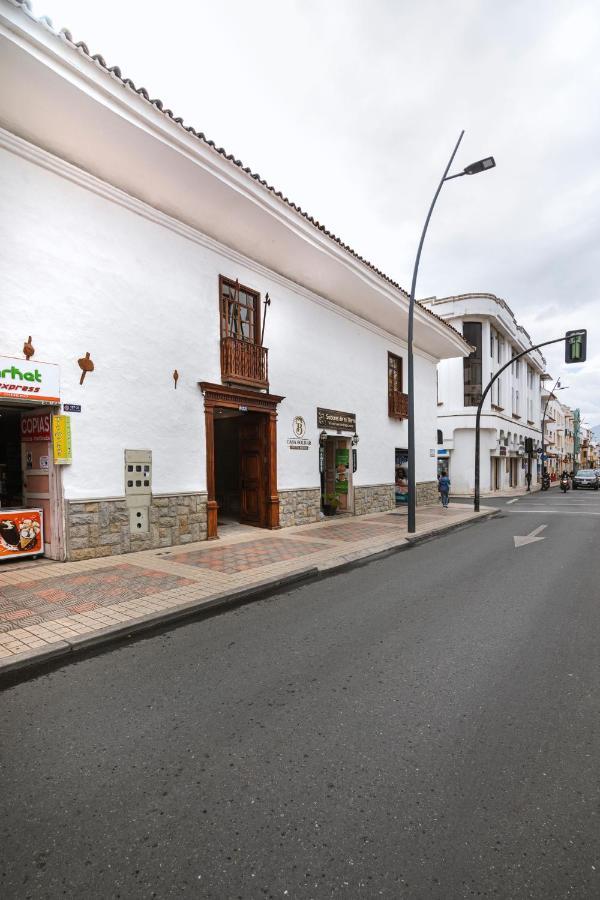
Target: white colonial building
[511,411]
[216,354]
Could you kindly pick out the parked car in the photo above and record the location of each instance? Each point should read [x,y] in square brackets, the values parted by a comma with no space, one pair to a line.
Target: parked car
[586,478]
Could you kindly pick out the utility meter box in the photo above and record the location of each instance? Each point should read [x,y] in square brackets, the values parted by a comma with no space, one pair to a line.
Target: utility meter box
[138,489]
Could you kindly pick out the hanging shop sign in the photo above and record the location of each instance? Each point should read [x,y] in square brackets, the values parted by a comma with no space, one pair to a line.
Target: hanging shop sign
[36,427]
[61,440]
[26,379]
[342,467]
[336,420]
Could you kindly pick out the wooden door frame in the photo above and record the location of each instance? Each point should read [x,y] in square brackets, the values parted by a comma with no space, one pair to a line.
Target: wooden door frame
[218,395]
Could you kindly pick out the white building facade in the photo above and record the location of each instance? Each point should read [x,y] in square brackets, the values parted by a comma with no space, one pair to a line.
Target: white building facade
[511,412]
[219,354]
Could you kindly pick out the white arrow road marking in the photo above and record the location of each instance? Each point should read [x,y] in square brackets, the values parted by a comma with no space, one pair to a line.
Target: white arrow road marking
[508,502]
[531,538]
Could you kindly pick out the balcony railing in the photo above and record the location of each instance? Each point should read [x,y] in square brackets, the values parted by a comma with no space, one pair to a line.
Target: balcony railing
[244,363]
[397,405]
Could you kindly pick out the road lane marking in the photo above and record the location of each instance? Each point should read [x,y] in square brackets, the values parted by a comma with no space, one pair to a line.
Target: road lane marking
[508,502]
[531,538]
[560,512]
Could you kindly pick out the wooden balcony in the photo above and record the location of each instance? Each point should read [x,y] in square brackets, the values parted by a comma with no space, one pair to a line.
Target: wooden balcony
[244,363]
[397,405]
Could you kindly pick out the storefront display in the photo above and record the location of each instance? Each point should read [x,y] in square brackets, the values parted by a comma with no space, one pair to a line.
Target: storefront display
[401,476]
[342,467]
[21,533]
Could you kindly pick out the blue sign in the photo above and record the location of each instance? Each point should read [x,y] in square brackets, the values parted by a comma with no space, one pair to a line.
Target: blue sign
[71,407]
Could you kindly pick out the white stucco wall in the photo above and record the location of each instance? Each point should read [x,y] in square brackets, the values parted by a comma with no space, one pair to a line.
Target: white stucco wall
[82,273]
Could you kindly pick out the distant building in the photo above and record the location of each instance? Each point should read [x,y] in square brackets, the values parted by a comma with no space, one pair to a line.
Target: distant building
[511,412]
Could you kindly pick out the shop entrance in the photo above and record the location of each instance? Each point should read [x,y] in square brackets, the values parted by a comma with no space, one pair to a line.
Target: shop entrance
[28,481]
[496,476]
[241,457]
[337,478]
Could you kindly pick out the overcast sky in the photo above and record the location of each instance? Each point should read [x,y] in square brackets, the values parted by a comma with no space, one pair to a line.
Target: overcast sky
[352,108]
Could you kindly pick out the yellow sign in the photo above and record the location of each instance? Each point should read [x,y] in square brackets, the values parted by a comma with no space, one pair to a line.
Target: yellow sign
[61,440]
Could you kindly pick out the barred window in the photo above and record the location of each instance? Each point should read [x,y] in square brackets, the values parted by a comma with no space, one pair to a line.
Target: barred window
[472,364]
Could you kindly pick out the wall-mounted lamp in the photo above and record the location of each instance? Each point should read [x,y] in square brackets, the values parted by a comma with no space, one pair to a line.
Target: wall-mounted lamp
[322,438]
[354,439]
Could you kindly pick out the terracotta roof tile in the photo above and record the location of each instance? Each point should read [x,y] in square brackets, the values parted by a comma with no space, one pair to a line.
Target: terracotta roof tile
[115,72]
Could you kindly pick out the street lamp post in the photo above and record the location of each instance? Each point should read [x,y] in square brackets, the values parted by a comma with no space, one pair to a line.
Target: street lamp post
[481,165]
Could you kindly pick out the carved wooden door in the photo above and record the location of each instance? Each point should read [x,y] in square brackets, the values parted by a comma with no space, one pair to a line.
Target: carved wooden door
[252,470]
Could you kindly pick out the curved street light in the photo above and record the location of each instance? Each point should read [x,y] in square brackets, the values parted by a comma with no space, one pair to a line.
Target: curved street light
[482,165]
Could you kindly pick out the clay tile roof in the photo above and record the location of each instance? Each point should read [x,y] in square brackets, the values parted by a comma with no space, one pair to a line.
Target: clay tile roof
[115,72]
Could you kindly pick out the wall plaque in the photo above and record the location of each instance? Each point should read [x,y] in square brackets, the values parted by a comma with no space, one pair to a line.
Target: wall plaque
[335,419]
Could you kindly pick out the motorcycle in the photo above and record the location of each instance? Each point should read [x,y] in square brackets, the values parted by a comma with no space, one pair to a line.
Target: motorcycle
[545,482]
[564,483]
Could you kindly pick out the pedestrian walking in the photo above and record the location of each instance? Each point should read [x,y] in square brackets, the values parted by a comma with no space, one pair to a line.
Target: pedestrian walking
[444,488]
[528,480]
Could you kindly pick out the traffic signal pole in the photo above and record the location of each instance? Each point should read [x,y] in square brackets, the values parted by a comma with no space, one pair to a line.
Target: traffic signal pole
[570,336]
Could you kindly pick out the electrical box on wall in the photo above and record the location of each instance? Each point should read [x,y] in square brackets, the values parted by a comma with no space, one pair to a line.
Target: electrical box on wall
[138,489]
[139,520]
[138,472]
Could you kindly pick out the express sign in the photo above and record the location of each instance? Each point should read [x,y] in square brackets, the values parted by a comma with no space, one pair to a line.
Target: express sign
[22,379]
[37,427]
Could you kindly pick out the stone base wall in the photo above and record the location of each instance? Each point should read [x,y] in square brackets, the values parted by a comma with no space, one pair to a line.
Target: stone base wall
[373,498]
[427,493]
[101,527]
[299,507]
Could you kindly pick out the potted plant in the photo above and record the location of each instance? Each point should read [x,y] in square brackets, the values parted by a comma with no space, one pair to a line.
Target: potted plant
[330,504]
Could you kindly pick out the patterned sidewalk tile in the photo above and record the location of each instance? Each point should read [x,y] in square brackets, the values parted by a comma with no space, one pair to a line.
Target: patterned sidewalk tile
[350,531]
[31,603]
[232,558]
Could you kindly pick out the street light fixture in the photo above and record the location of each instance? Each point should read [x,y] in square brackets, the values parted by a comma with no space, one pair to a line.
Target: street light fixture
[481,166]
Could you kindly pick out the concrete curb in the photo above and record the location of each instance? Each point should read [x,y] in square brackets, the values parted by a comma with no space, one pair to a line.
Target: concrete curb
[26,665]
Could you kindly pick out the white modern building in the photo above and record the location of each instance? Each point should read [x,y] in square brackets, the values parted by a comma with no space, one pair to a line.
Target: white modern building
[181,345]
[511,412]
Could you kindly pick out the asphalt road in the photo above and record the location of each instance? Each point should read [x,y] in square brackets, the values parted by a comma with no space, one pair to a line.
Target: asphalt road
[426,726]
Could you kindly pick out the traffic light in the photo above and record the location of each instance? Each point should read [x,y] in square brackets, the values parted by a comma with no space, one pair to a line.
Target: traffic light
[528,445]
[575,346]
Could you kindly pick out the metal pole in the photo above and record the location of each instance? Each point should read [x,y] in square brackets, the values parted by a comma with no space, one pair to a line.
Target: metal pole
[412,481]
[480,407]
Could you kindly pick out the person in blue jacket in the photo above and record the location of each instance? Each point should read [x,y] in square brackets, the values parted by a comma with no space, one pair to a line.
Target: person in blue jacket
[444,488]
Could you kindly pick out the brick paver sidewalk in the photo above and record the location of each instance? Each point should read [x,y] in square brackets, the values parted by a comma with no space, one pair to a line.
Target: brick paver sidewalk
[55,605]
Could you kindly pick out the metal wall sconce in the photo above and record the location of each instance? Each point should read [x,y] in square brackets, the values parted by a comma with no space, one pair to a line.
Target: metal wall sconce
[322,438]
[354,439]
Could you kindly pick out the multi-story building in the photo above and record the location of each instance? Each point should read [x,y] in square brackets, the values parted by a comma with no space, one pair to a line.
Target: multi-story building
[555,426]
[215,352]
[511,412]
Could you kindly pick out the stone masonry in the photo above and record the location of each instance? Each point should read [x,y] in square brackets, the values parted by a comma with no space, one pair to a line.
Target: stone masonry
[101,527]
[373,498]
[299,507]
[427,493]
